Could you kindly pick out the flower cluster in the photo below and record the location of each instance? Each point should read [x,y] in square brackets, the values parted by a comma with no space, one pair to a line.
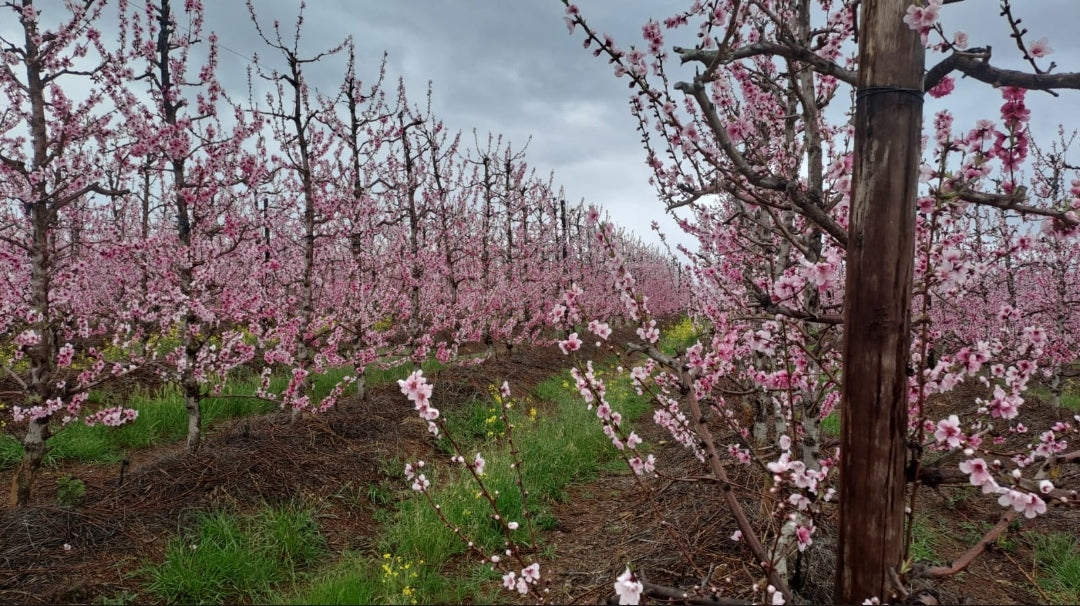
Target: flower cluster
[923,18]
[530,575]
[420,483]
[416,388]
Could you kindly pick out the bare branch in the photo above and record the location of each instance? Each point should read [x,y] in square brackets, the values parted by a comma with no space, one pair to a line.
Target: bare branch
[818,63]
[1014,201]
[977,66]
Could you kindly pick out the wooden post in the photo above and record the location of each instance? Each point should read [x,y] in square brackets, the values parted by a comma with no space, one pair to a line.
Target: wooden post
[888,122]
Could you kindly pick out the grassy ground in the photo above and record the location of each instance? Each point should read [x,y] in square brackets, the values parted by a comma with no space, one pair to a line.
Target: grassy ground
[224,557]
[415,558]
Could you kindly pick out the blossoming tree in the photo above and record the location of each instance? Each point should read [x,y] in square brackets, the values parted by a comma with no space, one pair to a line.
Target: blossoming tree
[814,235]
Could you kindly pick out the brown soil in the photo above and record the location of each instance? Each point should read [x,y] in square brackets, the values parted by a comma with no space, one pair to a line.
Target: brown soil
[332,459]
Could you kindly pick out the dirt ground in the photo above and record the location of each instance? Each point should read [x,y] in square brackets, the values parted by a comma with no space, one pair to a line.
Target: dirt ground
[128,517]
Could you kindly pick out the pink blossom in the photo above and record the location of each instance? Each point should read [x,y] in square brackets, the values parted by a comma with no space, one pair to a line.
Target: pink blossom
[603,411]
[478,464]
[948,430]
[923,17]
[64,357]
[1040,48]
[600,329]
[803,536]
[415,386]
[421,483]
[650,334]
[799,501]
[112,417]
[411,470]
[628,588]
[823,274]
[509,580]
[942,88]
[1034,506]
[979,470]
[781,465]
[1029,504]
[640,467]
[1004,406]
[531,573]
[572,343]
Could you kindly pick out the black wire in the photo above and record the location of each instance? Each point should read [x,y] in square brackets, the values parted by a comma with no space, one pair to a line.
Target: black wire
[866,91]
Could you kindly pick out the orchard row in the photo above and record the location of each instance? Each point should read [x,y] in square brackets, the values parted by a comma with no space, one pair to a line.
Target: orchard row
[151,221]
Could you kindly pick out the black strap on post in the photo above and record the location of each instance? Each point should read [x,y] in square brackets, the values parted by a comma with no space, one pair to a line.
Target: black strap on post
[867,91]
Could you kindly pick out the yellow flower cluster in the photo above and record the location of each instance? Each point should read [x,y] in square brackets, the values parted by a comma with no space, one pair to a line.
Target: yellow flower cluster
[398,575]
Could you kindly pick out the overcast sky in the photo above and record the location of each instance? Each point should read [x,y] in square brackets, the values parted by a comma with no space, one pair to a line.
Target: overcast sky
[494,66]
[511,67]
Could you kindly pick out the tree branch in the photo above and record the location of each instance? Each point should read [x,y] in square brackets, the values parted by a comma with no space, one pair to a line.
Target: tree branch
[975,64]
[820,64]
[1014,201]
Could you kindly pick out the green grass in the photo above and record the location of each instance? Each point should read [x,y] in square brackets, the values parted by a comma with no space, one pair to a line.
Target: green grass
[375,375]
[230,558]
[162,420]
[558,448]
[1070,394]
[1057,559]
[830,425]
[923,541]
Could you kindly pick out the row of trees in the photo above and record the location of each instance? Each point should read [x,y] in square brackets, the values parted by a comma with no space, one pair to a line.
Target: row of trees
[151,221]
[844,264]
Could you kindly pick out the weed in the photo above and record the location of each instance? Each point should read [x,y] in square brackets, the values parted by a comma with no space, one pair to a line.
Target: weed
[1069,398]
[398,578]
[923,540]
[830,425]
[348,582]
[973,533]
[1057,559]
[380,494]
[230,558]
[679,336]
[70,491]
[479,422]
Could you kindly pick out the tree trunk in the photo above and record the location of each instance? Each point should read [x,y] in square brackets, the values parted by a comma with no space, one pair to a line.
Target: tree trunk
[34,450]
[888,121]
[193,405]
[42,214]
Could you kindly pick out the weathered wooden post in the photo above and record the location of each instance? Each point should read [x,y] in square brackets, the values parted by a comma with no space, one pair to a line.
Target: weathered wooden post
[888,122]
